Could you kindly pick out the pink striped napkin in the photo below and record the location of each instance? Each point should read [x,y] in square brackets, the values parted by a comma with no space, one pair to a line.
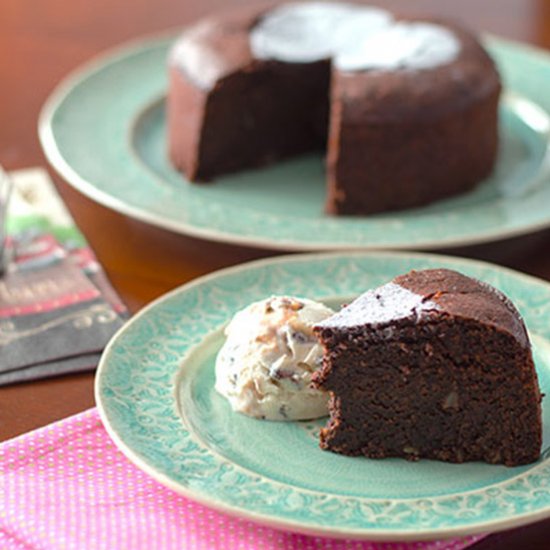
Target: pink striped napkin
[68,486]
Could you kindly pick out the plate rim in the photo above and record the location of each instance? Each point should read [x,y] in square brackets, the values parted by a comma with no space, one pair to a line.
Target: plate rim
[56,159]
[401,535]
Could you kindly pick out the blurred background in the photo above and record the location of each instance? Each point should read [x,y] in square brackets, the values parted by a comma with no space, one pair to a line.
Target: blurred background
[41,40]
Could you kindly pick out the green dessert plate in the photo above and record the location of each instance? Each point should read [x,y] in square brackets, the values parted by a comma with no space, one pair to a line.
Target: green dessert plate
[104,130]
[155,392]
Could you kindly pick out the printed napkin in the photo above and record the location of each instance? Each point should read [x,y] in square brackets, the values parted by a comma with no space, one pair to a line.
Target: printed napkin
[68,486]
[57,308]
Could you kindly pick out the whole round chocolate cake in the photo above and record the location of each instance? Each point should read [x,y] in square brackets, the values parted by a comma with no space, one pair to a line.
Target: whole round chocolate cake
[431,365]
[406,110]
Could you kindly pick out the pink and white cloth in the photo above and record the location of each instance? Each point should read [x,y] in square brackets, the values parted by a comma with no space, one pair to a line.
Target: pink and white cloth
[67,486]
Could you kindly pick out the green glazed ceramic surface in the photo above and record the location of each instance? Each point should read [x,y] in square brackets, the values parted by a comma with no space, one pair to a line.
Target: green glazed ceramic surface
[154,388]
[104,130]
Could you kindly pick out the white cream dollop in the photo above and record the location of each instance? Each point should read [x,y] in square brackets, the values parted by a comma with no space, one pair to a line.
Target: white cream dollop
[264,367]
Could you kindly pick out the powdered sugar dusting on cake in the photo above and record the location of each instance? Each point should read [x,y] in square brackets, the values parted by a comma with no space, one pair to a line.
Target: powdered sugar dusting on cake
[192,54]
[306,32]
[357,38]
[413,46]
[380,306]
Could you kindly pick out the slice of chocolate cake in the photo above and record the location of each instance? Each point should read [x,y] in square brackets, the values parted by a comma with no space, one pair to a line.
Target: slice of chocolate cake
[431,365]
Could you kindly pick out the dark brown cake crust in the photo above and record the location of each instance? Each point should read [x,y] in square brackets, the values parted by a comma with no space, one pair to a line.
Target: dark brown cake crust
[424,136]
[450,377]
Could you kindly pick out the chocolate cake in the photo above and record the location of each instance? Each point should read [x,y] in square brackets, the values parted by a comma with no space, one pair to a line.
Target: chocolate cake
[405,110]
[431,365]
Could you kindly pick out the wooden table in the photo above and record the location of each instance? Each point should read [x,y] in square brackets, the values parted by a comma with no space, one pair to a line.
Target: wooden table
[41,41]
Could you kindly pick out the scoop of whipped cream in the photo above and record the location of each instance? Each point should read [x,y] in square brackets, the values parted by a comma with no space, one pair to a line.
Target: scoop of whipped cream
[264,368]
